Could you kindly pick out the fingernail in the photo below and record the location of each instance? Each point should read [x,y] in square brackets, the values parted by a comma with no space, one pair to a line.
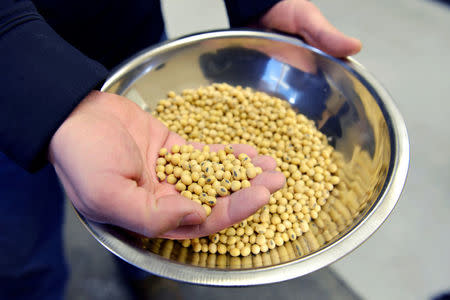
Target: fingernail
[191,219]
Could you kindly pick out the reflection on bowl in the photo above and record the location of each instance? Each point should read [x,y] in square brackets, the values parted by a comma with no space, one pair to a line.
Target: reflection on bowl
[346,103]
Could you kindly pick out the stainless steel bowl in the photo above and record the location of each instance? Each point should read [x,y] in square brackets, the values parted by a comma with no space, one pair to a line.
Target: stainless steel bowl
[346,103]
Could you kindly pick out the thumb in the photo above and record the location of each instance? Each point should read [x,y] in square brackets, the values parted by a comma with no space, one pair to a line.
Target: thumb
[318,32]
[171,211]
[305,19]
[137,209]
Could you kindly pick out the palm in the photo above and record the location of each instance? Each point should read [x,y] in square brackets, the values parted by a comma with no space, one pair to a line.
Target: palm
[105,155]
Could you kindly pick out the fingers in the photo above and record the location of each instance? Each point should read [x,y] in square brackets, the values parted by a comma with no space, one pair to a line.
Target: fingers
[318,32]
[171,211]
[134,208]
[271,180]
[234,208]
[305,19]
[265,162]
[228,211]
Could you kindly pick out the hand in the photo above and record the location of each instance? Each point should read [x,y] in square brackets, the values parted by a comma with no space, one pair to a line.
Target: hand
[105,156]
[304,18]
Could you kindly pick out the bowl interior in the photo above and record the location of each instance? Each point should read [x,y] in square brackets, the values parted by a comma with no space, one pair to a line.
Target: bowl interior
[327,90]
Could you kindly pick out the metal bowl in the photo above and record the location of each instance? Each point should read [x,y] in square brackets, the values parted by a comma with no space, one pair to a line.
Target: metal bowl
[347,104]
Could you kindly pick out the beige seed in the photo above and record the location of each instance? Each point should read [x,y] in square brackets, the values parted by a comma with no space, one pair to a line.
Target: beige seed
[251,172]
[245,184]
[187,194]
[275,219]
[184,149]
[216,184]
[281,227]
[226,184]
[196,169]
[177,171]
[197,247]
[185,165]
[264,248]
[201,181]
[271,244]
[221,249]
[256,249]
[160,168]
[278,240]
[212,192]
[212,248]
[168,169]
[248,230]
[230,231]
[163,151]
[161,176]
[207,209]
[175,149]
[235,185]
[195,176]
[223,238]
[161,161]
[171,179]
[245,251]
[269,234]
[186,243]
[180,186]
[236,173]
[211,201]
[240,231]
[214,238]
[243,157]
[219,174]
[197,189]
[261,239]
[210,180]
[334,180]
[227,175]
[222,191]
[235,252]
[186,179]
[231,240]
[229,149]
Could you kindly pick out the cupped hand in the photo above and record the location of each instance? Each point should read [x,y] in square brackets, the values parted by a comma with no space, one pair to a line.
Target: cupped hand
[303,18]
[105,156]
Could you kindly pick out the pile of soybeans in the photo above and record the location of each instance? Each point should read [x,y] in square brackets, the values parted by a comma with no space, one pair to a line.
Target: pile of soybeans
[223,114]
[203,175]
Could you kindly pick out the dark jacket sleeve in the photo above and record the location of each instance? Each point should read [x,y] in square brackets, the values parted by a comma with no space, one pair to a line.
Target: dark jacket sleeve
[243,12]
[42,79]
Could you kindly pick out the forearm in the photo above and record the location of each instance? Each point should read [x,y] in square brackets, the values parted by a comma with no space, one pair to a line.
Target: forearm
[43,79]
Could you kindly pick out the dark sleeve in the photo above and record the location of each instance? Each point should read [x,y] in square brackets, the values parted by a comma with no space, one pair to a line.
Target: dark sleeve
[243,12]
[42,79]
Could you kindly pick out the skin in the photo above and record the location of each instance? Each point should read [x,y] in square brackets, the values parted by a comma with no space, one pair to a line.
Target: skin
[303,18]
[105,152]
[105,155]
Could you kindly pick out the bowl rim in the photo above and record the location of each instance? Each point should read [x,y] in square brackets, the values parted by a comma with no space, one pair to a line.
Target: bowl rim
[336,250]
